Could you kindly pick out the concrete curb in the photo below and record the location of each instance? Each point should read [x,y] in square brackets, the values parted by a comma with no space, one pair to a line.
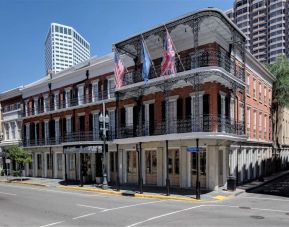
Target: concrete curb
[266,182]
[161,197]
[25,183]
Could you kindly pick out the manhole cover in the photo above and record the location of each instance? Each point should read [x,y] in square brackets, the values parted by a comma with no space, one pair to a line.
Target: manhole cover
[257,217]
[246,208]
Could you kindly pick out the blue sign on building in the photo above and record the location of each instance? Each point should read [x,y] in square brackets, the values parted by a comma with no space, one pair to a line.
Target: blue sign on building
[194,149]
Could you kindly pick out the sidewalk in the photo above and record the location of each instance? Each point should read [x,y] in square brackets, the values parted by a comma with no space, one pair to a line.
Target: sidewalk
[257,183]
[152,192]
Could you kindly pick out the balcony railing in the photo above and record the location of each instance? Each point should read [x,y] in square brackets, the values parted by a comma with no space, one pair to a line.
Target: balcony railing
[68,138]
[72,102]
[204,123]
[204,58]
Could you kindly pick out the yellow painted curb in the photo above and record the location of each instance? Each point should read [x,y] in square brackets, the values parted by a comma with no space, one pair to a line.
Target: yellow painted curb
[23,182]
[166,197]
[220,197]
[89,190]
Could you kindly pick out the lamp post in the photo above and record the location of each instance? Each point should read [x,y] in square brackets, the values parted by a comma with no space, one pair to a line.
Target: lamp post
[104,120]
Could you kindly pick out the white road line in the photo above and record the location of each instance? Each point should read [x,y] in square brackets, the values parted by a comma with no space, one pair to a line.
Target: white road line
[6,193]
[133,205]
[55,223]
[93,207]
[195,207]
[163,215]
[249,197]
[83,216]
[56,191]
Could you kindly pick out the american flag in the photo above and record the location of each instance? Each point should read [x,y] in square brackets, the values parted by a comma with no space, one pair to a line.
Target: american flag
[118,70]
[168,64]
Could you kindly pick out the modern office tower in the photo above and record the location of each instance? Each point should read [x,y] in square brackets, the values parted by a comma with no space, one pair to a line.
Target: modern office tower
[64,47]
[265,23]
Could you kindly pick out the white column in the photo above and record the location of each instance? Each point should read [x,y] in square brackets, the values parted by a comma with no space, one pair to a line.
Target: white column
[63,166]
[213,167]
[26,107]
[147,118]
[183,167]
[80,90]
[44,167]
[67,97]
[35,164]
[143,159]
[94,91]
[189,169]
[46,103]
[55,165]
[56,100]
[120,164]
[160,171]
[164,165]
[124,162]
[35,105]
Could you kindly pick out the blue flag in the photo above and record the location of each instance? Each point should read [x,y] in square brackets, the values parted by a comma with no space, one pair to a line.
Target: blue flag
[146,62]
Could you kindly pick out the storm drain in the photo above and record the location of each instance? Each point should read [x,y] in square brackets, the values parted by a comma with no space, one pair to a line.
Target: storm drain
[245,208]
[257,217]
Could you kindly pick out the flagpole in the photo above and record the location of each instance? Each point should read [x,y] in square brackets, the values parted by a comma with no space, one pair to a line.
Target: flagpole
[175,48]
[149,54]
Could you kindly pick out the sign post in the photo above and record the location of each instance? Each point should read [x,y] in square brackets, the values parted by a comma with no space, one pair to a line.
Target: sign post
[197,150]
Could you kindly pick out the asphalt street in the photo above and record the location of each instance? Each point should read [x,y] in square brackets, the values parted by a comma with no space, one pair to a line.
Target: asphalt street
[22,205]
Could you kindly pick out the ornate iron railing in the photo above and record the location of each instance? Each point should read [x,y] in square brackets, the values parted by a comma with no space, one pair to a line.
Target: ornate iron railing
[202,58]
[203,123]
[72,102]
[85,136]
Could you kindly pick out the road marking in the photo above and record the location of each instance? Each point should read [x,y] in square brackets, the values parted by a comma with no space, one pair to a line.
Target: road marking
[282,200]
[133,205]
[56,191]
[163,215]
[55,223]
[93,207]
[83,216]
[6,193]
[195,207]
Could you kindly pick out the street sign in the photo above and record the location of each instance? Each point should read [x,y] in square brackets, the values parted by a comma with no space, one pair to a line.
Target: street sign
[195,149]
[7,161]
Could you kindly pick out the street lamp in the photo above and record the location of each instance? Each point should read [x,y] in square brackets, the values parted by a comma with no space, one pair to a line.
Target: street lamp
[103,123]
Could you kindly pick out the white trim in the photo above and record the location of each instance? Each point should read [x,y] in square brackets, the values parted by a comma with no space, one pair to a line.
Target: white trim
[173,98]
[152,101]
[129,105]
[80,114]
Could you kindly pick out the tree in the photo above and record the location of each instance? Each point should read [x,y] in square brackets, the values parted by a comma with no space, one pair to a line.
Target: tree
[280,95]
[19,155]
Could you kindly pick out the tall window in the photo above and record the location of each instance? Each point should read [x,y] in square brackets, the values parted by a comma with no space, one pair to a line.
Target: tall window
[248,119]
[71,162]
[260,125]
[129,116]
[94,92]
[255,122]
[110,88]
[265,126]
[265,94]
[260,91]
[248,85]
[254,88]
[202,163]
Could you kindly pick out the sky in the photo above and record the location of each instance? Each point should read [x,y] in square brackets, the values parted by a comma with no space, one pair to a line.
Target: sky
[24,25]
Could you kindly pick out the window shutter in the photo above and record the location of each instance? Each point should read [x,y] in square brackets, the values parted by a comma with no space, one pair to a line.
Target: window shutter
[164,110]
[180,108]
[122,117]
[152,117]
[219,104]
[188,107]
[105,88]
[206,104]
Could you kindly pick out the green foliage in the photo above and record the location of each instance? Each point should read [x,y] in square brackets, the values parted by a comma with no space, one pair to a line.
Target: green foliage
[280,94]
[19,155]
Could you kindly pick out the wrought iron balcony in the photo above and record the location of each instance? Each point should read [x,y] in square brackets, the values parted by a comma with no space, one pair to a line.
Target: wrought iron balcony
[203,123]
[85,136]
[203,58]
[73,102]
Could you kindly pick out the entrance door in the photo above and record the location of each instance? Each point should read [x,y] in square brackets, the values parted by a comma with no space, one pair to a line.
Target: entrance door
[132,174]
[174,167]
[113,160]
[39,165]
[59,166]
[151,167]
[86,168]
[202,168]
[98,168]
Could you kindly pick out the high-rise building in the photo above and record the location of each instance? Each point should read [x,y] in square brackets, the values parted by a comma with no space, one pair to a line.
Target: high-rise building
[64,47]
[265,23]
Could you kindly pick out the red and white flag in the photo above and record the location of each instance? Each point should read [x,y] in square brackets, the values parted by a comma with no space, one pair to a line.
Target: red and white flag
[168,65]
[118,70]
